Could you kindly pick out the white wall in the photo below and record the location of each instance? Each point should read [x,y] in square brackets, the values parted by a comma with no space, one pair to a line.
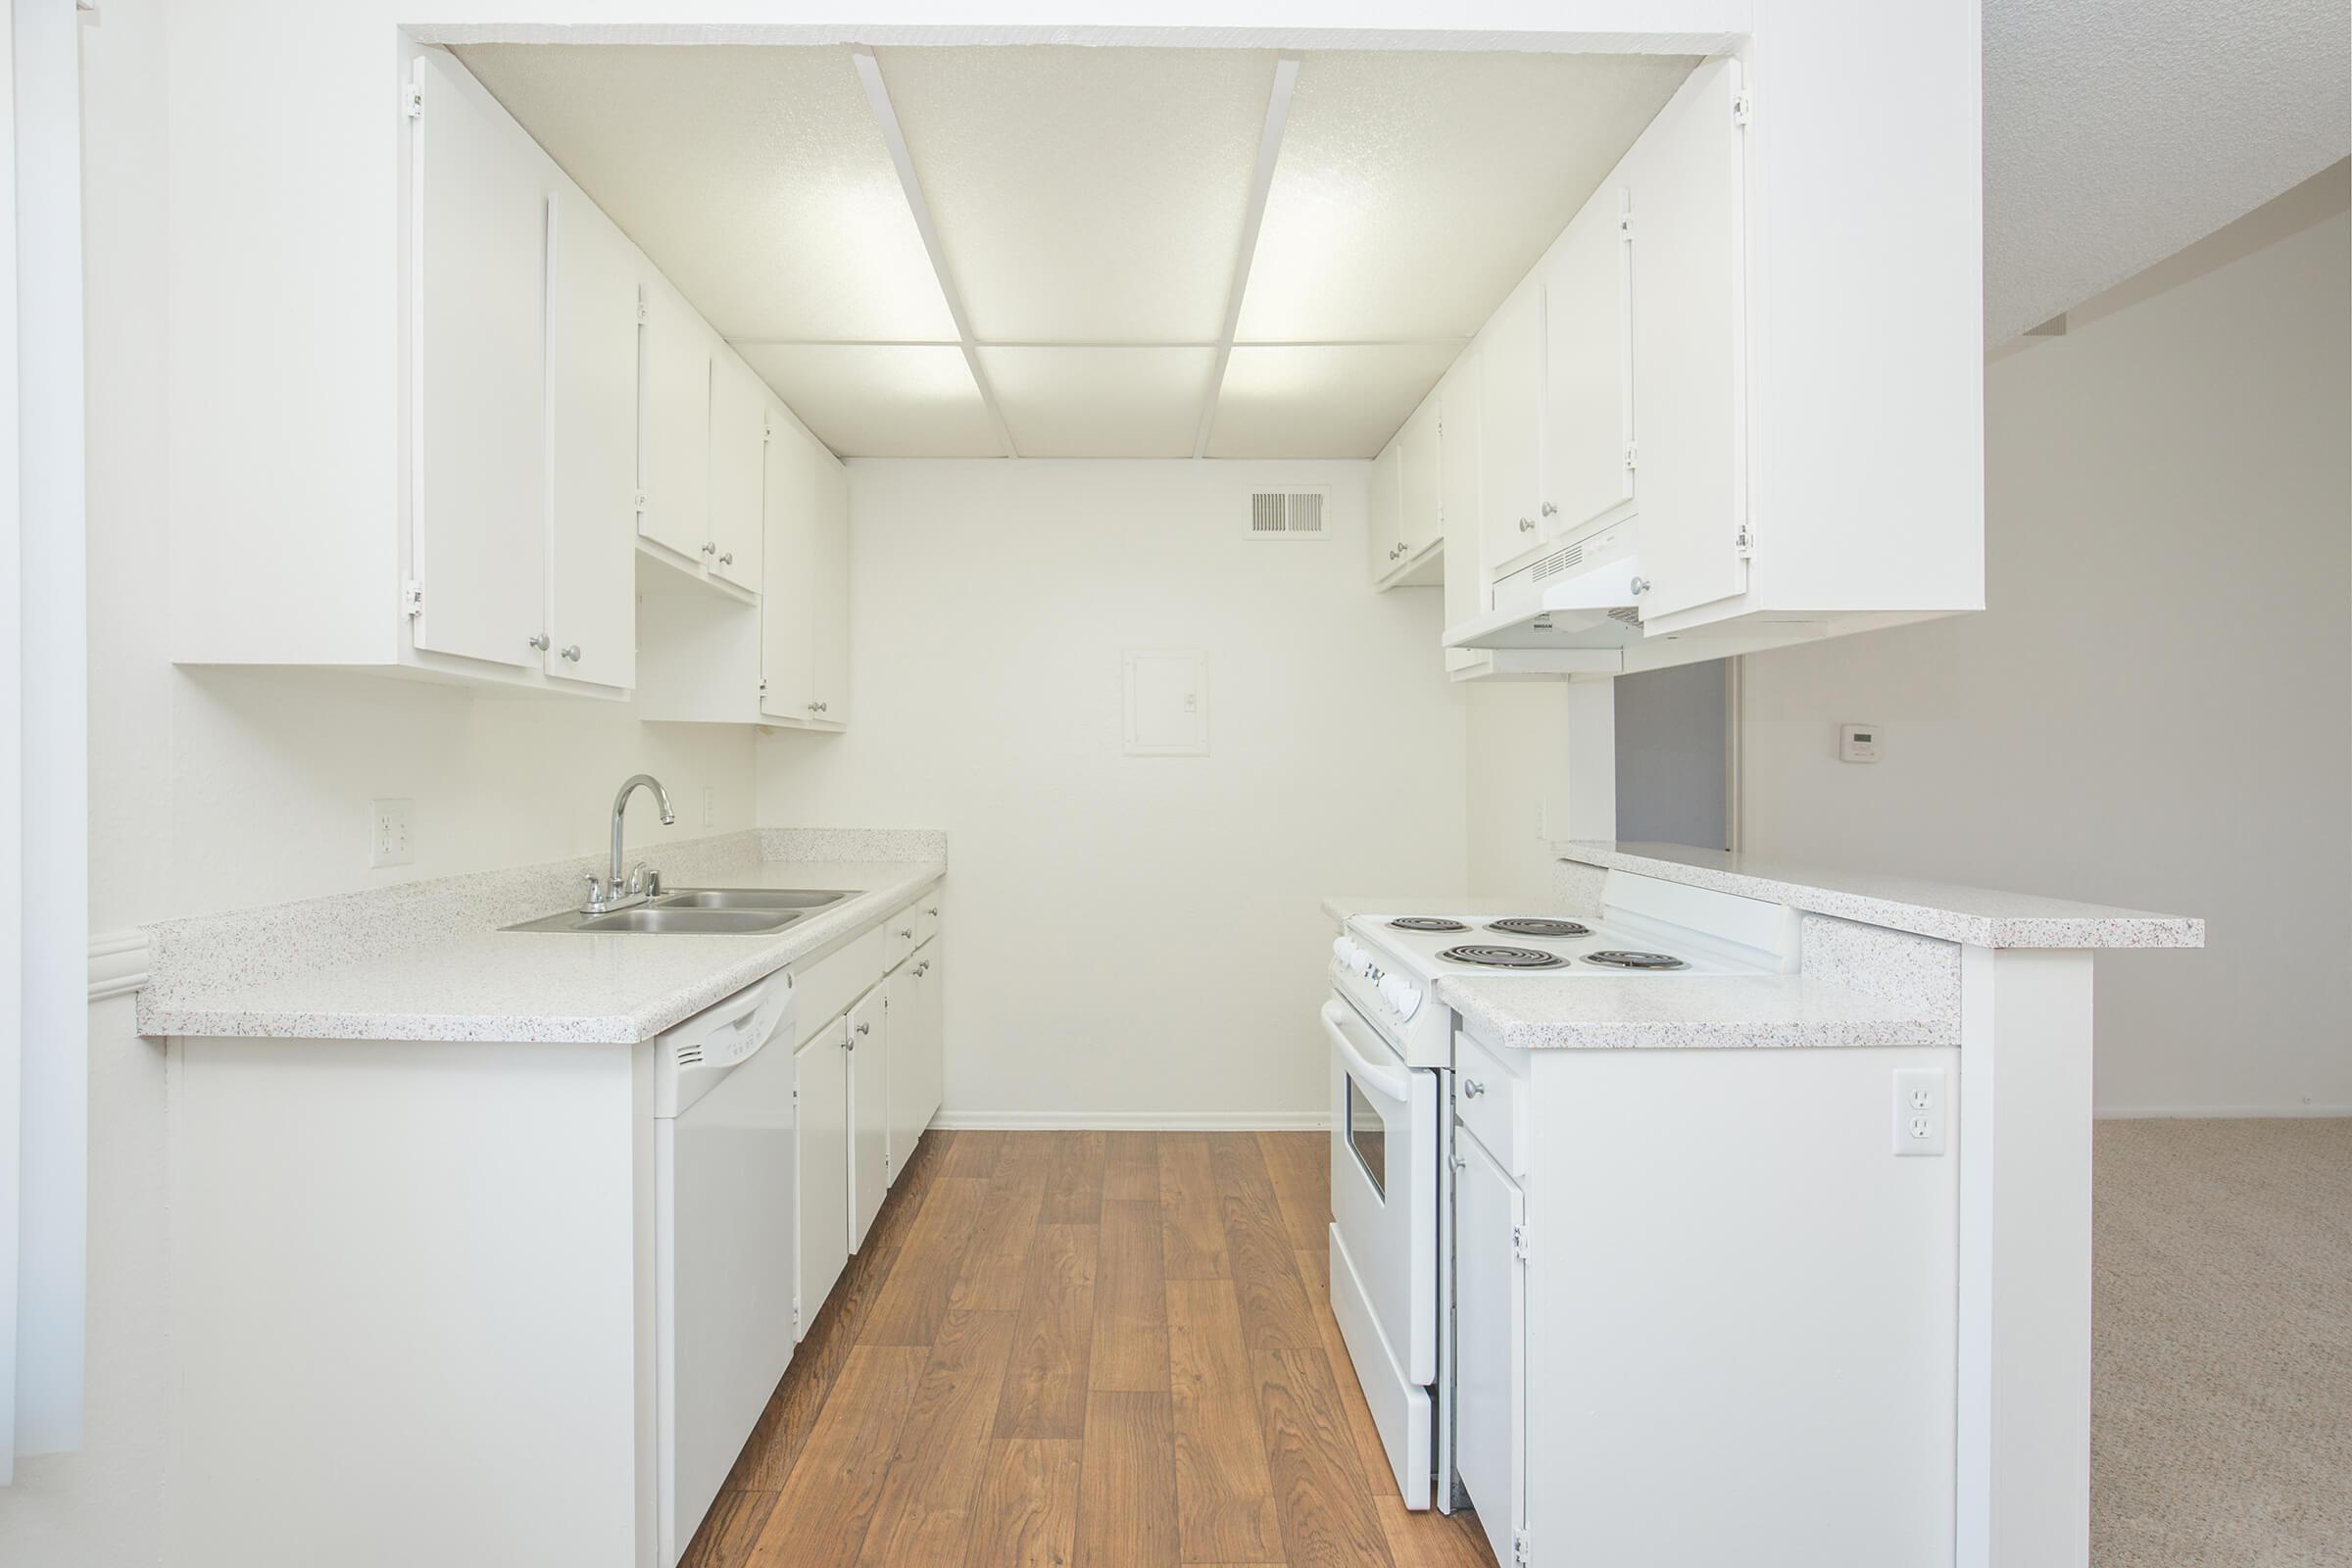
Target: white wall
[1132,938]
[2156,709]
[214,789]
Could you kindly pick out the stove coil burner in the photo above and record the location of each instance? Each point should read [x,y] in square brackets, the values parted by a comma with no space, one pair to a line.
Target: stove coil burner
[1427,922]
[1616,959]
[1520,926]
[1494,957]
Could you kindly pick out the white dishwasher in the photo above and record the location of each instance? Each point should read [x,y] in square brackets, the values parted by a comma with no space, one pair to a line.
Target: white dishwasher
[724,1242]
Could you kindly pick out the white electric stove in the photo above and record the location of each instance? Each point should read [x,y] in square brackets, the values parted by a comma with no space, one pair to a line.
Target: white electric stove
[1391,1091]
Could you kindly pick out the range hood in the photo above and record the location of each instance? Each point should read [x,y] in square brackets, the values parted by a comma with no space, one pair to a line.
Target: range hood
[1578,595]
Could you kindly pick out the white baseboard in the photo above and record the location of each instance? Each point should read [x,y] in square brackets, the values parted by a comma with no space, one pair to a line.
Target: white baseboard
[2300,1108]
[1166,1121]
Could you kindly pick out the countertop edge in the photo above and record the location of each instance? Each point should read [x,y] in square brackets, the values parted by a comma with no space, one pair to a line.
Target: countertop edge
[1817,1015]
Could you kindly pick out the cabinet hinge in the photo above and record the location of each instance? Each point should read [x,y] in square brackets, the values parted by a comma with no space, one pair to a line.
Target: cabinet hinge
[412,597]
[1522,1553]
[1519,1242]
[1745,540]
[1744,106]
[1633,454]
[640,501]
[411,101]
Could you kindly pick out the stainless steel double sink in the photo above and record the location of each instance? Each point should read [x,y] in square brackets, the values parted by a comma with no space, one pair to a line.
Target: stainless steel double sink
[711,911]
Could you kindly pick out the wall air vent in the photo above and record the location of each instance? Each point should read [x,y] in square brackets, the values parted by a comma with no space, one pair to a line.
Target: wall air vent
[690,1056]
[1288,514]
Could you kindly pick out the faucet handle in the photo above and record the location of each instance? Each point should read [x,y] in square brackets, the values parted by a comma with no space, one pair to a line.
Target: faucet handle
[642,879]
[596,891]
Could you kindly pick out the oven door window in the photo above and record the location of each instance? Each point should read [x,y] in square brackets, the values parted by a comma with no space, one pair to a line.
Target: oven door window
[1368,1135]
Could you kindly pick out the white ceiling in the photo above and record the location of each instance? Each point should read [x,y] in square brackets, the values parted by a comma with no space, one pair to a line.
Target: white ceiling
[1091,208]
[2117,132]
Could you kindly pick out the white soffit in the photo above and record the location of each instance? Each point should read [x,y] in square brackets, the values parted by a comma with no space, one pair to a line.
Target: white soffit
[1101,403]
[1415,189]
[1085,195]
[724,164]
[880,400]
[1322,402]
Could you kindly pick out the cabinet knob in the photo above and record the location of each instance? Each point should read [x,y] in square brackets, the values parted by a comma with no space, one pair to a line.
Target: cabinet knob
[709,549]
[1457,1161]
[865,1028]
[908,932]
[727,560]
[572,651]
[1527,525]
[1550,511]
[1640,585]
[932,912]
[1472,1089]
[824,707]
[537,640]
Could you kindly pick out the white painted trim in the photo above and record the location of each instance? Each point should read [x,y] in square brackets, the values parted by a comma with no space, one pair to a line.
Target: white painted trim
[1269,153]
[1166,1121]
[118,964]
[886,119]
[2300,1110]
[1212,35]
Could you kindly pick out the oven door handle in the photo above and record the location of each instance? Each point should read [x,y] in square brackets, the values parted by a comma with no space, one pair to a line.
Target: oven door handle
[1393,1082]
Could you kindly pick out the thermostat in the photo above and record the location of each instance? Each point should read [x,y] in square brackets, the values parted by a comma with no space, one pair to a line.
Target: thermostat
[1858,743]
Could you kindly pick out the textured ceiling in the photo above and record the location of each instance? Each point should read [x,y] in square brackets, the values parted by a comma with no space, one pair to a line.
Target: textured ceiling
[2116,131]
[1090,208]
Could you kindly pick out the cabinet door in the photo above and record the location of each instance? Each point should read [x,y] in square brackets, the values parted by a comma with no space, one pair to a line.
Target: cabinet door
[592,385]
[787,642]
[821,1082]
[869,1113]
[478,529]
[1457,489]
[1686,178]
[1420,522]
[1510,399]
[1489,1299]
[1588,366]
[829,588]
[738,471]
[673,412]
[1383,509]
[931,1061]
[902,1047]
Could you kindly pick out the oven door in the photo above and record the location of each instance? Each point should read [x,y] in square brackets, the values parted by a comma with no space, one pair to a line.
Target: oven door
[1384,1186]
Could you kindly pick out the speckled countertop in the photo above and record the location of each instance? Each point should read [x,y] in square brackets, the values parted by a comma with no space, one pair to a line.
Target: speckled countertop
[1689,1012]
[428,962]
[1946,910]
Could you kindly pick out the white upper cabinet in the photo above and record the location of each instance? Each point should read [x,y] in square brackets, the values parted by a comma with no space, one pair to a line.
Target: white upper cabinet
[1421,524]
[1457,497]
[1685,181]
[592,402]
[1589,453]
[673,421]
[804,599]
[1510,395]
[479,532]
[1383,509]
[738,471]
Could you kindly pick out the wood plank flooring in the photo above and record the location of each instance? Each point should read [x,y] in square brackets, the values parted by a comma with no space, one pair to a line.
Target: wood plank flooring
[1081,1350]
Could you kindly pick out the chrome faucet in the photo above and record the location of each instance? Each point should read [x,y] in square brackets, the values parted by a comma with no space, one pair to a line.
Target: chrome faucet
[622,889]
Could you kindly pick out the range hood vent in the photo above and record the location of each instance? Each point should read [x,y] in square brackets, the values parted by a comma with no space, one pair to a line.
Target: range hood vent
[1580,596]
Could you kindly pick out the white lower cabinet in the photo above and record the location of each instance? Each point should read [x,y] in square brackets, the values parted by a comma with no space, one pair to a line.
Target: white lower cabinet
[822,1086]
[1490,1295]
[869,1113]
[916,1067]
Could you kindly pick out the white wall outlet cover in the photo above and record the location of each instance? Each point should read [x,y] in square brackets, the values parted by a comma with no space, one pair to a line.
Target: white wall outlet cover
[1922,1123]
[1858,743]
[391,832]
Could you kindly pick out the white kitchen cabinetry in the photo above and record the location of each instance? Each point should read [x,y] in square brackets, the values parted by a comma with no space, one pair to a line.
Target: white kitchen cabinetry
[822,1066]
[674,403]
[1589,455]
[1510,402]
[739,404]
[1490,1296]
[1421,522]
[917,1069]
[592,408]
[805,658]
[1457,491]
[478,535]
[869,1112]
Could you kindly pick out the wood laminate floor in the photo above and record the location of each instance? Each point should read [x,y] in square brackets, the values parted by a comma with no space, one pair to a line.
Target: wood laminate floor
[1103,1350]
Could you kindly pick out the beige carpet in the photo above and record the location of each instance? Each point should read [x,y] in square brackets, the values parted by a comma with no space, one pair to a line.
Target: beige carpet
[2222,1390]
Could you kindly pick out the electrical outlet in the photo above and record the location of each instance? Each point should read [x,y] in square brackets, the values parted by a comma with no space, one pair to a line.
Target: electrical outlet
[391,832]
[1921,1122]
